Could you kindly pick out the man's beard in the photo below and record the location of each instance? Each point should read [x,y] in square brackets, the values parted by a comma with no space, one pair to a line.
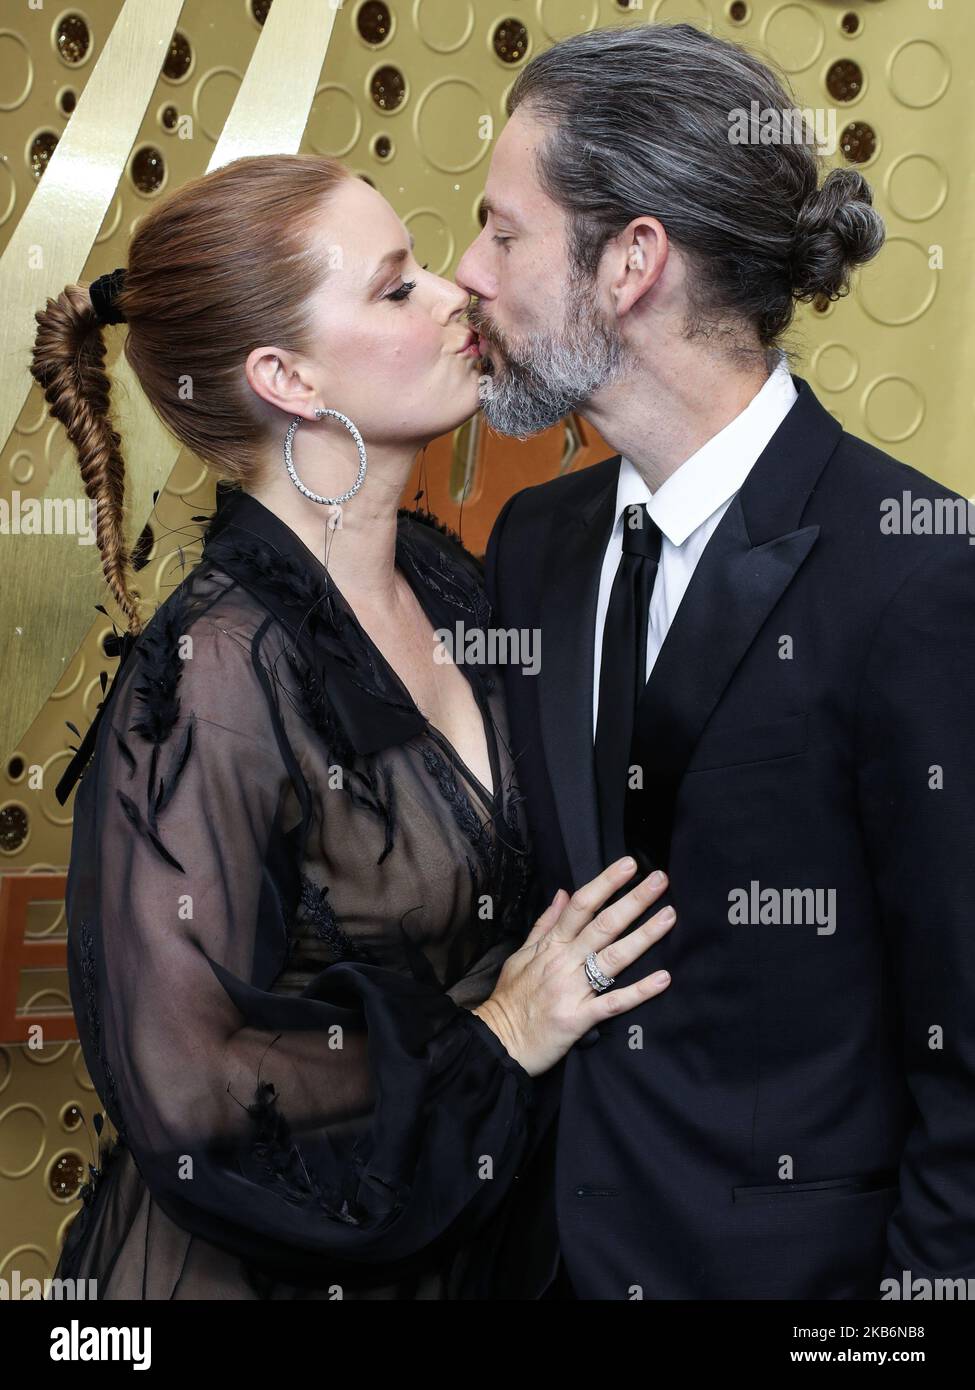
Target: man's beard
[542,379]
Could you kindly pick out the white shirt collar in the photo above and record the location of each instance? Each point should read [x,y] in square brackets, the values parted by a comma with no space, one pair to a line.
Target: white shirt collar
[717,470]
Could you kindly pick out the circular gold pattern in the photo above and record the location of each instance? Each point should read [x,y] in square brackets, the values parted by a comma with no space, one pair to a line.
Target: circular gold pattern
[148,169]
[560,21]
[919,73]
[179,59]
[71,1116]
[850,23]
[388,88]
[15,767]
[334,122]
[169,118]
[917,187]
[22,1131]
[858,142]
[510,40]
[844,81]
[260,9]
[444,25]
[66,1175]
[382,147]
[836,366]
[72,39]
[14,825]
[794,37]
[374,22]
[738,11]
[43,145]
[901,287]
[16,71]
[67,101]
[447,124]
[893,408]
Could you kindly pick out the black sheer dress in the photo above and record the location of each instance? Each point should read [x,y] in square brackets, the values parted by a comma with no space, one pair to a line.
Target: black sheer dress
[285,893]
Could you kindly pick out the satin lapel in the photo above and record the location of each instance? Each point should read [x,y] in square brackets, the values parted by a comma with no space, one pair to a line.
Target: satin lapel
[568,616]
[749,562]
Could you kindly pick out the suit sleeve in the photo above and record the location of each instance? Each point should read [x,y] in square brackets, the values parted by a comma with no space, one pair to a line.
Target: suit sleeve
[491,554]
[916,779]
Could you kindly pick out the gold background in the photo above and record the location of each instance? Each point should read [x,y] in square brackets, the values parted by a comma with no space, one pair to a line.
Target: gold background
[893,361]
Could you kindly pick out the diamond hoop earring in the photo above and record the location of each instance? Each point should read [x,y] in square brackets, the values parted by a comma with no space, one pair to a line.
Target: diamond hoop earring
[314,496]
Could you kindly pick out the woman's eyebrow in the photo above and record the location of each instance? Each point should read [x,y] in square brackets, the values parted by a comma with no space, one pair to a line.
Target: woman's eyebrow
[392,258]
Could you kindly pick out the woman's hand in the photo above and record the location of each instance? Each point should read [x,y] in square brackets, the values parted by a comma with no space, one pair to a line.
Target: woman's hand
[543,1002]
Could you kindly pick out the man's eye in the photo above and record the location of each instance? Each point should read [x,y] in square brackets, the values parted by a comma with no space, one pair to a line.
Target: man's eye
[502,240]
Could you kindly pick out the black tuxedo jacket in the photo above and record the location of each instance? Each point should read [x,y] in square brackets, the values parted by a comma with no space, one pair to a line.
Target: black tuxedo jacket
[795,1116]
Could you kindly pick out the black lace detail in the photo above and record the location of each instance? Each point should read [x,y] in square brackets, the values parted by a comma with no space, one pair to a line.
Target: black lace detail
[280,1165]
[157,690]
[366,787]
[90,987]
[315,902]
[334,632]
[454,579]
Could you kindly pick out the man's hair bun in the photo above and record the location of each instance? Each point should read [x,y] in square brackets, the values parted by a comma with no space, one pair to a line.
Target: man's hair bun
[837,229]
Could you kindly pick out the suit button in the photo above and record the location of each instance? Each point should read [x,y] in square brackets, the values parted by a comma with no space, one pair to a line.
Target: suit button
[588,1039]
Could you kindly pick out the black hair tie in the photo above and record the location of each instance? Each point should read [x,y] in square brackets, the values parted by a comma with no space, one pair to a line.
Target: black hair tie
[103,293]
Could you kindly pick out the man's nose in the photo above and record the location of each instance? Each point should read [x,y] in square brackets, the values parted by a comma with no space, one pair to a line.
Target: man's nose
[470,274]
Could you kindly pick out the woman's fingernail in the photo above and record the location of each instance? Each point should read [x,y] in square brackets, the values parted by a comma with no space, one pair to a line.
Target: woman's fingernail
[656,878]
[661,977]
[627,863]
[668,915]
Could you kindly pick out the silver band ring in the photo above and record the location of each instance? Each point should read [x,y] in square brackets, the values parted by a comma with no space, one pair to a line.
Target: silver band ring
[597,980]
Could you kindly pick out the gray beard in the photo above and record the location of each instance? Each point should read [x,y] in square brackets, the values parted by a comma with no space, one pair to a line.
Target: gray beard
[549,376]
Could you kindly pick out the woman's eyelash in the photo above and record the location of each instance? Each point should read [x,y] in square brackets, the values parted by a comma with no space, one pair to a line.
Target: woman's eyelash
[406,289]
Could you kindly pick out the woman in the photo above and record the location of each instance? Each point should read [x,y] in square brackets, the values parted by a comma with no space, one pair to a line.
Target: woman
[299,889]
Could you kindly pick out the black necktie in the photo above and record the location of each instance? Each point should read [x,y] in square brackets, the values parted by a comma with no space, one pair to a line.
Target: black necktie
[622,673]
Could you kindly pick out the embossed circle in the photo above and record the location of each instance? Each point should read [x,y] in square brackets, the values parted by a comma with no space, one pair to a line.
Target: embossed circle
[335,122]
[794,36]
[213,97]
[444,25]
[901,286]
[447,108]
[17,68]
[434,238]
[676,11]
[558,24]
[8,191]
[22,1131]
[836,366]
[917,186]
[893,408]
[919,73]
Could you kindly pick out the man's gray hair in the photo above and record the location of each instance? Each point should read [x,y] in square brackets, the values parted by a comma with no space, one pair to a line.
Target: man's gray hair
[638,124]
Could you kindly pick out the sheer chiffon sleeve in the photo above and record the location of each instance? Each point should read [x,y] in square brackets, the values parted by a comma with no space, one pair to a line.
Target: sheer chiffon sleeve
[356,1123]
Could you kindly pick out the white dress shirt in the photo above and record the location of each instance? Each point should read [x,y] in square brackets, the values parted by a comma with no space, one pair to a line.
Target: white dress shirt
[687,508]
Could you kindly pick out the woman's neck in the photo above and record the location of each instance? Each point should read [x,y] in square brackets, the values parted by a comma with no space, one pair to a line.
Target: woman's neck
[360,554]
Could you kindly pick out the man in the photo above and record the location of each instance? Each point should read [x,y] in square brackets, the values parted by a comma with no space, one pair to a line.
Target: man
[757,672]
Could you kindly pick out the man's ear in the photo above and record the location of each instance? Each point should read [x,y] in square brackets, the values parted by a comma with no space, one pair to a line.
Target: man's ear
[646,248]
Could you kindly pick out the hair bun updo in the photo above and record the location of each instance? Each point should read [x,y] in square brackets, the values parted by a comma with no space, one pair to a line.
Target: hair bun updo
[837,229]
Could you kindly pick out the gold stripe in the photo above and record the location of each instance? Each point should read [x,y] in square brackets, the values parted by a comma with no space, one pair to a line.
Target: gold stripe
[50,588]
